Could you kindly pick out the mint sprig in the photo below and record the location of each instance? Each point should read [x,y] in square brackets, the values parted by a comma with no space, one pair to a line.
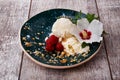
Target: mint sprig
[91,17]
[84,45]
[77,16]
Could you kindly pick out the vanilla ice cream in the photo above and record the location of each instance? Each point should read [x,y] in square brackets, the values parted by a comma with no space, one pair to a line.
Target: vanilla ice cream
[62,26]
[73,46]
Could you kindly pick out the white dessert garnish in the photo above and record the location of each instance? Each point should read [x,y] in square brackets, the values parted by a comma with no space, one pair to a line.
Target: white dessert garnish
[95,27]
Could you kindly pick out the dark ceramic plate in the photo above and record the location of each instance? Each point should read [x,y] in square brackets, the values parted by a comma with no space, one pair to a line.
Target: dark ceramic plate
[37,28]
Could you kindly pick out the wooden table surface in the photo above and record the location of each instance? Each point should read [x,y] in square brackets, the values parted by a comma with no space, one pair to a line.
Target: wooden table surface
[14,65]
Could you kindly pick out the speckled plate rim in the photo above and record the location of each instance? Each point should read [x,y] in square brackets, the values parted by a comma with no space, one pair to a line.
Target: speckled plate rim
[51,66]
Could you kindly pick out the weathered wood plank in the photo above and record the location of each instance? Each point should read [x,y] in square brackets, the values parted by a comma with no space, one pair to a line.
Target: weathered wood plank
[109,11]
[43,5]
[95,69]
[12,15]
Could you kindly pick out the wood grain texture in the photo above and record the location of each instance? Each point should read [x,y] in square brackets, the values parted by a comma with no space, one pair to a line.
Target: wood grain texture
[12,15]
[109,11]
[95,69]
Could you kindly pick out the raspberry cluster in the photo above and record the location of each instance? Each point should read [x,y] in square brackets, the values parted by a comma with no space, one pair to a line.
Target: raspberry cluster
[52,43]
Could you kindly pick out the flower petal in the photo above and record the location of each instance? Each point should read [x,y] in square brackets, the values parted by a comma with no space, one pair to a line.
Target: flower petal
[96,27]
[76,32]
[82,24]
[94,38]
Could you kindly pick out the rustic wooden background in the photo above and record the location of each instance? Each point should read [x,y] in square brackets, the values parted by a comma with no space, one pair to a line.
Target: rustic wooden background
[14,65]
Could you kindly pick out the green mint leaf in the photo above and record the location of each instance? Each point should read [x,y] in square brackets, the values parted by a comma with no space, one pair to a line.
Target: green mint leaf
[91,17]
[77,16]
[84,45]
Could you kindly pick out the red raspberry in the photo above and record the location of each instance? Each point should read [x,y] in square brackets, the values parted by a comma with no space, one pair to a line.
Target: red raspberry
[59,47]
[52,40]
[49,47]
